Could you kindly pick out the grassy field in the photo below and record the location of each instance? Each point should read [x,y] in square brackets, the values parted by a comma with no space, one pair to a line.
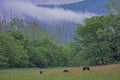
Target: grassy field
[109,72]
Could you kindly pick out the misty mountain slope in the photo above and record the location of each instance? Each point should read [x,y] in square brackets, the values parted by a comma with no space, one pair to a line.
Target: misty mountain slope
[96,6]
[61,19]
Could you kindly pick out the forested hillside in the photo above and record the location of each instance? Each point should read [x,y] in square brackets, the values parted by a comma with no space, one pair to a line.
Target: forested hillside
[96,42]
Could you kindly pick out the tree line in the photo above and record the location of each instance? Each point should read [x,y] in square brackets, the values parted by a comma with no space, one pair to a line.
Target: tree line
[96,42]
[29,45]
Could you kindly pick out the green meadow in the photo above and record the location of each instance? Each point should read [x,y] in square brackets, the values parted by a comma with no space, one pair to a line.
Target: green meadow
[109,72]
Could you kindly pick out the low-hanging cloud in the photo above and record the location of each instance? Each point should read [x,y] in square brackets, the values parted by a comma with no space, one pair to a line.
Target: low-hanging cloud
[54,2]
[22,8]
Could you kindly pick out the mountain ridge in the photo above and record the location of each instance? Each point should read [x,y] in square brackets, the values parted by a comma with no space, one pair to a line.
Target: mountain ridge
[83,6]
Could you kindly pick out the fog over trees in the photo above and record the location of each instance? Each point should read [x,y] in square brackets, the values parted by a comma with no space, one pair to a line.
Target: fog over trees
[96,42]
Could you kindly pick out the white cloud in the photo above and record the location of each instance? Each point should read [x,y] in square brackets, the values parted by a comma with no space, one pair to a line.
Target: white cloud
[21,8]
[54,2]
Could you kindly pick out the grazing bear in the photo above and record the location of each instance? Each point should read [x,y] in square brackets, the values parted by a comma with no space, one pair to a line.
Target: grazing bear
[86,68]
[65,70]
[41,72]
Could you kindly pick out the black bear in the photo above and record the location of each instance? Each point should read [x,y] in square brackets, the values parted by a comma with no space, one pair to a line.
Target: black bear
[65,70]
[86,68]
[41,72]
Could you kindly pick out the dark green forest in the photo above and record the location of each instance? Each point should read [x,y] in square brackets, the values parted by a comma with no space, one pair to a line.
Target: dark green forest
[96,42]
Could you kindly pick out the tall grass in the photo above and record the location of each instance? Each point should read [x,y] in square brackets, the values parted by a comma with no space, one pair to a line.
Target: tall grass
[110,72]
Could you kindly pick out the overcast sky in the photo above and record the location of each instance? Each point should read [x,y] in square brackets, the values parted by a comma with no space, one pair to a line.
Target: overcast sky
[25,7]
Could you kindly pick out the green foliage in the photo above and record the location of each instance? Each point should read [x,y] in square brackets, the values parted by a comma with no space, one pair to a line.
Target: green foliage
[66,50]
[97,41]
[37,57]
[29,46]
[3,61]
[45,53]
[13,50]
[18,35]
[16,51]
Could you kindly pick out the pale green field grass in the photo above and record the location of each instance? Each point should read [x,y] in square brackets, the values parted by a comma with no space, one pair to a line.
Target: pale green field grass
[110,72]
